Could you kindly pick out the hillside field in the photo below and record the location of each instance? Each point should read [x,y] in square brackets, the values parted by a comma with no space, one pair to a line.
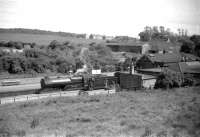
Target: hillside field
[159,113]
[41,39]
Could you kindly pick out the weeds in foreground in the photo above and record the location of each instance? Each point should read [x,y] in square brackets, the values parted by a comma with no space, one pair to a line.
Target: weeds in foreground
[147,132]
[35,122]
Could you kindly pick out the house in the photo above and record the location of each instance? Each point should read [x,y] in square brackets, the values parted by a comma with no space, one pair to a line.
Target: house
[17,50]
[109,37]
[140,48]
[148,81]
[157,60]
[163,47]
[97,36]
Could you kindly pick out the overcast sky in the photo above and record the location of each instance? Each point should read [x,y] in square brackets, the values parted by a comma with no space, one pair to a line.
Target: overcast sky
[110,17]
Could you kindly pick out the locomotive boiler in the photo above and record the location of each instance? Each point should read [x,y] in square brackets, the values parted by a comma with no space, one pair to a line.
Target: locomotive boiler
[84,82]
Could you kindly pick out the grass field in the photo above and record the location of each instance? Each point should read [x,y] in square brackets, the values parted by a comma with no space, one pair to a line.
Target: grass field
[41,39]
[173,113]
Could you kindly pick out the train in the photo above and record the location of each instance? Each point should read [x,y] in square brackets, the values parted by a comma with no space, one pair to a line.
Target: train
[93,82]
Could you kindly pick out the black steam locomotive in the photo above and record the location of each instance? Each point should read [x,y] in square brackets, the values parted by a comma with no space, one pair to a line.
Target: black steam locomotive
[92,82]
[84,82]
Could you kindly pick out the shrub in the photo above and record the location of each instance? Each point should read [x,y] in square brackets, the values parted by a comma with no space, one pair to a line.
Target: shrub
[108,68]
[168,79]
[63,68]
[34,123]
[54,44]
[147,132]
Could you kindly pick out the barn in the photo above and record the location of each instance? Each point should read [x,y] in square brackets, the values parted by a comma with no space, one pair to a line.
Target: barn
[140,48]
[157,60]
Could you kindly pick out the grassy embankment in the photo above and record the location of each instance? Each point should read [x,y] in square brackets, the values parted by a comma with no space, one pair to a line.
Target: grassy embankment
[42,39]
[139,114]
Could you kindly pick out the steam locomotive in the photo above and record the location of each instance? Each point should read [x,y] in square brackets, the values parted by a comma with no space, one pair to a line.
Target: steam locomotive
[82,82]
[92,82]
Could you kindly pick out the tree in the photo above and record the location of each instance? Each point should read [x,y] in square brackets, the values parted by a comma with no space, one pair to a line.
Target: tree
[179,31]
[168,79]
[91,36]
[196,40]
[155,29]
[187,46]
[162,29]
[144,36]
[54,44]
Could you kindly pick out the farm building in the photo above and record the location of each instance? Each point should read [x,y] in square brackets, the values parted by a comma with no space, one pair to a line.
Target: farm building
[140,48]
[161,60]
[129,81]
[161,47]
[157,60]
[12,50]
[148,81]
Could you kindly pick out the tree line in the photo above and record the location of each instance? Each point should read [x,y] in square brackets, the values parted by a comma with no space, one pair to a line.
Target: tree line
[55,57]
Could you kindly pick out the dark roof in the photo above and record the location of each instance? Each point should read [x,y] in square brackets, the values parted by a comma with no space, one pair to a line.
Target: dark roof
[151,70]
[125,44]
[165,58]
[190,57]
[186,67]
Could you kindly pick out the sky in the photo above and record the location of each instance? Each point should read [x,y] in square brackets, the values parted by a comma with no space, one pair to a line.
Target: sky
[109,17]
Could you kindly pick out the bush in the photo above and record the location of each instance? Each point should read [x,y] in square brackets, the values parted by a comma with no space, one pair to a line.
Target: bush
[188,82]
[34,53]
[63,68]
[108,68]
[167,80]
[34,123]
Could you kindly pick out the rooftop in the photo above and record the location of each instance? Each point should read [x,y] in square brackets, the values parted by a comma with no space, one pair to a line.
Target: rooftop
[166,58]
[186,67]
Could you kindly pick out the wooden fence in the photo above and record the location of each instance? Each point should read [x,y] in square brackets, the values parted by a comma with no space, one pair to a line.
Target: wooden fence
[23,98]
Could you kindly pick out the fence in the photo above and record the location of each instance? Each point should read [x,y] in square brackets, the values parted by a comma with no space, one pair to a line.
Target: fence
[31,97]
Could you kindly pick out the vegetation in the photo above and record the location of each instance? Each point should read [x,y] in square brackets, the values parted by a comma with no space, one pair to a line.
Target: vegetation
[160,33]
[41,32]
[139,114]
[170,79]
[191,45]
[56,57]
[188,44]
